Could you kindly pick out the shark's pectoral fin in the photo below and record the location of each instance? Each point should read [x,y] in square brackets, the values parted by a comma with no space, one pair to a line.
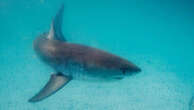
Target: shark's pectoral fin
[56,82]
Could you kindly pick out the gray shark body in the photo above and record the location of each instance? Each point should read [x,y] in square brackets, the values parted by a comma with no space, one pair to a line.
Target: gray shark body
[69,60]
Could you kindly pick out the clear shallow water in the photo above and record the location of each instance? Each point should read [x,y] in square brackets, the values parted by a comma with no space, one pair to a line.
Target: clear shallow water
[156,35]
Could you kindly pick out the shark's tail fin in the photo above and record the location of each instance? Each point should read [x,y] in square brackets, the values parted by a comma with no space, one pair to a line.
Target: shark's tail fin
[56,26]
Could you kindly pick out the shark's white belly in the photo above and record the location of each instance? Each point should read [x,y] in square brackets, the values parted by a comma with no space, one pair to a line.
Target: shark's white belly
[79,72]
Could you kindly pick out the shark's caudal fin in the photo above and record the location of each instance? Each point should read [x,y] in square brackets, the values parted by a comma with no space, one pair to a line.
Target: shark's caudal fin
[55,31]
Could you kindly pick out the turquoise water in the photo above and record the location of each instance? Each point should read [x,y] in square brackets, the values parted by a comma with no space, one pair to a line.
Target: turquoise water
[157,35]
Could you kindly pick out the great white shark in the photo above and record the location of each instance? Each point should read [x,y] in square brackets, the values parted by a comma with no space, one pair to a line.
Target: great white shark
[65,57]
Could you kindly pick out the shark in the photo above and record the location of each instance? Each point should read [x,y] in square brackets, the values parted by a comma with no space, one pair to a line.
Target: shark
[69,60]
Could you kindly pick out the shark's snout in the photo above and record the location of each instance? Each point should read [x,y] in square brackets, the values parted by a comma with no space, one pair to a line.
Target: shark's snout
[131,71]
[137,70]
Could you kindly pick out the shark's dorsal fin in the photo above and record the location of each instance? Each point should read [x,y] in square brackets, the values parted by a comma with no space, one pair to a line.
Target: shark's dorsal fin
[55,31]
